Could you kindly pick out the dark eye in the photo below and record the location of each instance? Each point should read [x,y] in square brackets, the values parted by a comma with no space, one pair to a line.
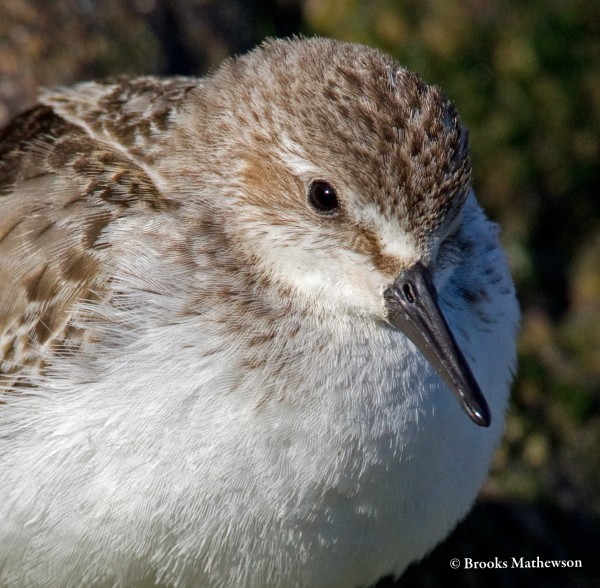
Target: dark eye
[323,197]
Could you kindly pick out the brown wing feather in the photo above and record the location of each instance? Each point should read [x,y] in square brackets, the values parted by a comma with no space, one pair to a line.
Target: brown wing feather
[60,188]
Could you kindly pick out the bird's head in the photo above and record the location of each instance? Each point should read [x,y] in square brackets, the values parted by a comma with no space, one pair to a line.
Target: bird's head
[348,174]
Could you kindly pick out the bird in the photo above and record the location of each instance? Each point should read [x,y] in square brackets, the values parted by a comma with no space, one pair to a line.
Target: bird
[255,328]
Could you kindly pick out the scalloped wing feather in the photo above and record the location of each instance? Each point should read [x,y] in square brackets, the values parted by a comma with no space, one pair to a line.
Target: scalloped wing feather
[69,168]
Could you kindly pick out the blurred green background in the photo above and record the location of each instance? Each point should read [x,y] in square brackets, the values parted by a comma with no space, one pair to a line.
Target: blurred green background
[525,76]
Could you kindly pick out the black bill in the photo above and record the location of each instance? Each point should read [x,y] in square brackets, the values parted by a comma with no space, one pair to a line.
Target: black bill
[412,307]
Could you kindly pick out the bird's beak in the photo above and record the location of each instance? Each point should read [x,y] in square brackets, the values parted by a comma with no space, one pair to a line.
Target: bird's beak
[411,302]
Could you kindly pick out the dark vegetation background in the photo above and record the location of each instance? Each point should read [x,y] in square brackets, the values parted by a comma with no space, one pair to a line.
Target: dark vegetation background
[525,75]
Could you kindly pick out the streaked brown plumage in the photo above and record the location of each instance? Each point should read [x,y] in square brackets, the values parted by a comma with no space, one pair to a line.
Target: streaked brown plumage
[203,381]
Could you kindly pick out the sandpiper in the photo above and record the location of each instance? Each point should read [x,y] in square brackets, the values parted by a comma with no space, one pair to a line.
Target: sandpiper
[255,329]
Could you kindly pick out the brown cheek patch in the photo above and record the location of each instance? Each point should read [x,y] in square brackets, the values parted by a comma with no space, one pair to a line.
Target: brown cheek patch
[269,185]
[387,264]
[366,242]
[257,179]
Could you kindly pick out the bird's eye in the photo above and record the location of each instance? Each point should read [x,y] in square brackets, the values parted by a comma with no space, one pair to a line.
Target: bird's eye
[323,197]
